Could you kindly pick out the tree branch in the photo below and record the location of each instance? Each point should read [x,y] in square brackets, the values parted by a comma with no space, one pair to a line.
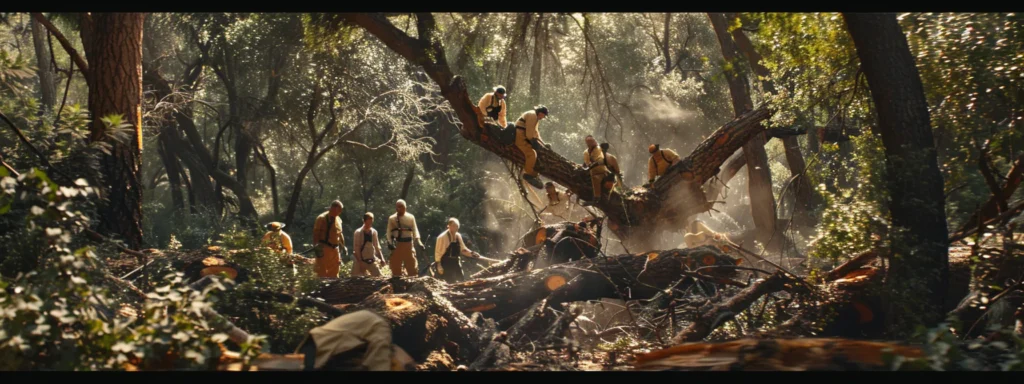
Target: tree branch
[79,61]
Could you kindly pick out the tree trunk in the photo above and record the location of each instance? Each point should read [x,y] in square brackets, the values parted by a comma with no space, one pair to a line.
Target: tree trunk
[805,196]
[174,172]
[409,175]
[919,272]
[113,48]
[44,65]
[762,201]
[665,51]
[538,58]
[513,54]
[262,154]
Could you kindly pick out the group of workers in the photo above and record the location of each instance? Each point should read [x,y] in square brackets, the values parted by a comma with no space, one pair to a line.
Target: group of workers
[604,168]
[400,237]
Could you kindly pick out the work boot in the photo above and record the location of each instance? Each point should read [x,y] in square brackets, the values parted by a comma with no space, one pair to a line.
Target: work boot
[588,203]
[534,181]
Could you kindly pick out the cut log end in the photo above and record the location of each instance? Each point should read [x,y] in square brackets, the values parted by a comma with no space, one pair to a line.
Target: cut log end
[214,270]
[397,304]
[213,261]
[554,282]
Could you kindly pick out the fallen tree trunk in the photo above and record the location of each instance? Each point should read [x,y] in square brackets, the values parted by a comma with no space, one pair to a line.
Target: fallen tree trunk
[626,277]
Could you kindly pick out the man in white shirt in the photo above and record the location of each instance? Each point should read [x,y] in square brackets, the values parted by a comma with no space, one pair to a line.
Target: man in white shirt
[367,249]
[448,248]
[401,234]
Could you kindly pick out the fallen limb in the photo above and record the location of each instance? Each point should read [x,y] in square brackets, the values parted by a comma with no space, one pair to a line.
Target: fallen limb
[710,319]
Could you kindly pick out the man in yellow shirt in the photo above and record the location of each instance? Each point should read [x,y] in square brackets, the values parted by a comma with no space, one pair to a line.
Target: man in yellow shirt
[528,141]
[401,233]
[661,160]
[329,241]
[594,160]
[276,239]
[494,108]
[447,250]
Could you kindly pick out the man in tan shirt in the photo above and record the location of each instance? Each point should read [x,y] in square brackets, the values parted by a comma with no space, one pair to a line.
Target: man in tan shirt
[401,233]
[494,108]
[594,160]
[528,140]
[329,241]
[367,255]
[660,160]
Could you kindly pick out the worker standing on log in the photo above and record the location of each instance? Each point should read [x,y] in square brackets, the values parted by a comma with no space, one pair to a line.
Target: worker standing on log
[401,233]
[661,160]
[528,141]
[367,246]
[614,178]
[594,160]
[360,340]
[448,249]
[329,241]
[494,108]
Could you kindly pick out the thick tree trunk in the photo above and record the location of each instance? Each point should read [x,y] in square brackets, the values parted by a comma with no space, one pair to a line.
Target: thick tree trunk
[665,51]
[293,199]
[113,47]
[762,201]
[44,65]
[919,272]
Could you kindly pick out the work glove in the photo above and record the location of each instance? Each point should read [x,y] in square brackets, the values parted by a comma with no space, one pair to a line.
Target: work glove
[319,251]
[548,146]
[391,246]
[345,251]
[476,255]
[419,245]
[440,269]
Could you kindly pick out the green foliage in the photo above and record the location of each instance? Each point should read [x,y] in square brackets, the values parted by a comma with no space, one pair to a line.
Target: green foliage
[945,352]
[62,315]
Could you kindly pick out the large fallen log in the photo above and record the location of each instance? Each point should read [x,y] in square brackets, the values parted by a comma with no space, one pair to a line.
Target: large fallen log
[713,315]
[624,277]
[548,245]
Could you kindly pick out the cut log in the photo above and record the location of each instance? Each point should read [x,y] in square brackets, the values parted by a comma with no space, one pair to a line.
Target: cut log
[777,355]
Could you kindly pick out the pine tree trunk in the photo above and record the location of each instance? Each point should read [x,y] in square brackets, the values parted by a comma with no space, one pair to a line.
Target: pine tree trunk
[113,48]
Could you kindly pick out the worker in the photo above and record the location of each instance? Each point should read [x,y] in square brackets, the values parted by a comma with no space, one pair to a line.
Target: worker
[494,108]
[367,246]
[528,141]
[329,241]
[276,239]
[661,160]
[594,161]
[558,205]
[356,341]
[447,250]
[401,233]
[614,177]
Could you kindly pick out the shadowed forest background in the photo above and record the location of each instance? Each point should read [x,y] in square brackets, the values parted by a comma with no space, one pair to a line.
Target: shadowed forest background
[132,144]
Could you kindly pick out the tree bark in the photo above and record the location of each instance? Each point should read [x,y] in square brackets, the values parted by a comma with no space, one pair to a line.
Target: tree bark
[113,47]
[919,272]
[44,65]
[762,201]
